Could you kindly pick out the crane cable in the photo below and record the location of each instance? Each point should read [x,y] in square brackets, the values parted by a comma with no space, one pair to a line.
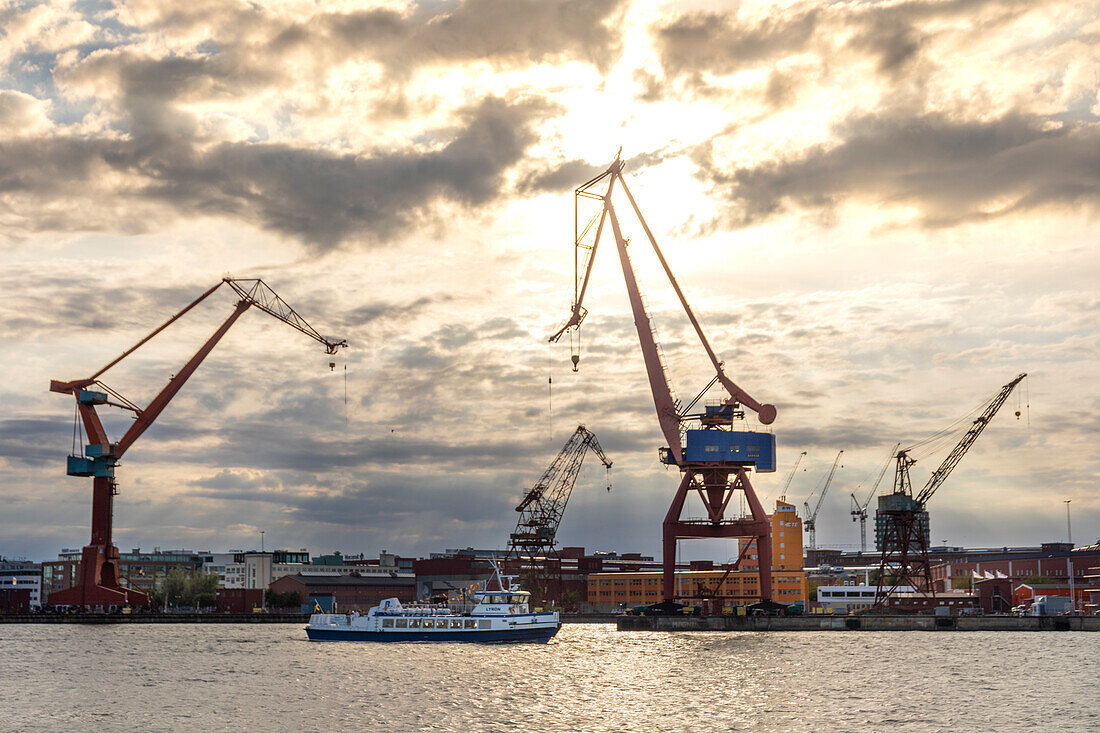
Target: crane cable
[550,386]
[77,426]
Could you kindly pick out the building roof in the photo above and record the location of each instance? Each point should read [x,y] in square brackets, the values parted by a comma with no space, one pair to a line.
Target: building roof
[352,579]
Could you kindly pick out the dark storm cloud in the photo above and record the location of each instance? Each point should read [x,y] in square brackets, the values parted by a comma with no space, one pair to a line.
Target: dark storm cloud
[317,196]
[32,441]
[723,42]
[515,31]
[719,43]
[952,170]
[387,311]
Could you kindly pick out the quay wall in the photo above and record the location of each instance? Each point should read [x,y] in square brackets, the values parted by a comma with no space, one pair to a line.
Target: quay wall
[156,618]
[858,623]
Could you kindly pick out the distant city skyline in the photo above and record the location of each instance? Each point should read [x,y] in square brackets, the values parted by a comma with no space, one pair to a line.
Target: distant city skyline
[881,213]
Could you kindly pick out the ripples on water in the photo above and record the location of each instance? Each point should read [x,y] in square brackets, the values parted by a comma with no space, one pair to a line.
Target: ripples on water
[589,678]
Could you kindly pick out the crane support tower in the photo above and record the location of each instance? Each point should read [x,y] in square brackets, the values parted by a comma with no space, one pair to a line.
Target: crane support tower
[859,510]
[902,518]
[714,458]
[533,544]
[97,582]
[810,525]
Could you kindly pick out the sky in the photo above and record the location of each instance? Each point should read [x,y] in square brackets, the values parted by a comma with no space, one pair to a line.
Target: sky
[881,212]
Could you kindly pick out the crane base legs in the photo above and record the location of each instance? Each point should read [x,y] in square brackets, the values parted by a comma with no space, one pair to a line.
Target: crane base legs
[904,560]
[97,582]
[97,578]
[716,486]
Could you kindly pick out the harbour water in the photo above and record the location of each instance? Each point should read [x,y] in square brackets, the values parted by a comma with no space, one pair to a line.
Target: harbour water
[589,678]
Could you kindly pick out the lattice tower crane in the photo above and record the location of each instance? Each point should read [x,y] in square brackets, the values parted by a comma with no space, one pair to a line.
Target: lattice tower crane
[810,524]
[790,477]
[859,509]
[533,543]
[902,519]
[97,582]
[715,459]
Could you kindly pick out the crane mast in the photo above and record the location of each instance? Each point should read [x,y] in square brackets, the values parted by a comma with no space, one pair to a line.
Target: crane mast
[859,510]
[902,518]
[810,525]
[533,543]
[715,459]
[98,581]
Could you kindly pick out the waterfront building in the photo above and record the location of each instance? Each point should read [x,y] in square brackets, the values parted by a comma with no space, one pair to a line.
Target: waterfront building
[1026,593]
[610,591]
[1050,562]
[144,571]
[955,602]
[351,592]
[260,569]
[22,575]
[850,597]
[238,600]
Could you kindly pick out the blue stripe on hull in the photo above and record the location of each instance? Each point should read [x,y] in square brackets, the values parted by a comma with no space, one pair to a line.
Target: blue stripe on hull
[543,634]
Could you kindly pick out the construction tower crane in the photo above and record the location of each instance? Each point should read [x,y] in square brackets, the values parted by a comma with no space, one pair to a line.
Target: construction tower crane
[714,459]
[859,509]
[810,524]
[790,477]
[532,543]
[97,582]
[901,522]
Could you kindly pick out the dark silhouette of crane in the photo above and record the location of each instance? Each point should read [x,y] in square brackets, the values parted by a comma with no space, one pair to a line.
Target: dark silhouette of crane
[97,582]
[714,458]
[859,509]
[902,519]
[533,543]
[790,477]
[810,523]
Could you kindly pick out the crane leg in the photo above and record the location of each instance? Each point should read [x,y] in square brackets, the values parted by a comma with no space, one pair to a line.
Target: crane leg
[97,577]
[675,529]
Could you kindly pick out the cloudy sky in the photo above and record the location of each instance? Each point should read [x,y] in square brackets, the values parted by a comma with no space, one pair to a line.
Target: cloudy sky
[882,211]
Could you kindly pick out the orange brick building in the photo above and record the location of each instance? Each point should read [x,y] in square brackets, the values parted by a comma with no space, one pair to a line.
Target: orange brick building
[611,591]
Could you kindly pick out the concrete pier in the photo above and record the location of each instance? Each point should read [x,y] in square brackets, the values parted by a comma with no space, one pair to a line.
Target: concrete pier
[858,623]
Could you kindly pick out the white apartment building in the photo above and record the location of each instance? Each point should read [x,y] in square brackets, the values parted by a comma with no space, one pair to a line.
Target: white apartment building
[23,574]
[850,597]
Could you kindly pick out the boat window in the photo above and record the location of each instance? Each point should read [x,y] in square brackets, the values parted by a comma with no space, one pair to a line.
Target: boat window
[402,623]
[469,623]
[519,599]
[414,623]
[484,623]
[456,623]
[429,623]
[387,623]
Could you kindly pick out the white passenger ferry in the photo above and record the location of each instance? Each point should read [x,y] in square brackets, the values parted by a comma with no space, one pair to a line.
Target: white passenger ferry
[501,615]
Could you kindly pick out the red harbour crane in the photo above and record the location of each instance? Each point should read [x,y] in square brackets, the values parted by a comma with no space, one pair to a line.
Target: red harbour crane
[714,458]
[98,583]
